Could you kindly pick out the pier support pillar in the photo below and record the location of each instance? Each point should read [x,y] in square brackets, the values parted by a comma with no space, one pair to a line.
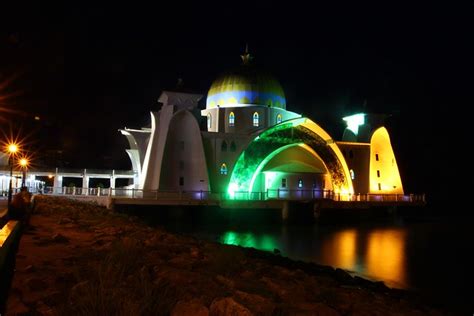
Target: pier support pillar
[316,210]
[85,183]
[285,211]
[58,182]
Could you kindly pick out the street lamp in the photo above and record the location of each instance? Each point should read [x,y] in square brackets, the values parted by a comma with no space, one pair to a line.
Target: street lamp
[24,165]
[12,150]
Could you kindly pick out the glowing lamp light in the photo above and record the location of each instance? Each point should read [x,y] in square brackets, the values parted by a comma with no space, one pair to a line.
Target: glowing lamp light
[354,121]
[23,162]
[50,176]
[12,148]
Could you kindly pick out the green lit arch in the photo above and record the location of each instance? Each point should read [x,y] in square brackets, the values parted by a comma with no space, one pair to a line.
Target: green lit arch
[277,138]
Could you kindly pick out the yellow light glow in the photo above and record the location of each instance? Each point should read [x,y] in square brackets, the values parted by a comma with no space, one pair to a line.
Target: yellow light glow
[383,165]
[50,176]
[12,148]
[24,162]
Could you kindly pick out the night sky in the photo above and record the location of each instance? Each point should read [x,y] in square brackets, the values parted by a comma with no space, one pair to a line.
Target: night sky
[88,71]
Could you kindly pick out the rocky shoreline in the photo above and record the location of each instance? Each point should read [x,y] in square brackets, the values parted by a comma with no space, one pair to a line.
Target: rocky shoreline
[80,259]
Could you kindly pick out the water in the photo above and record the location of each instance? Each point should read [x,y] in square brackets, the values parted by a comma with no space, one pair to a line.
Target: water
[432,257]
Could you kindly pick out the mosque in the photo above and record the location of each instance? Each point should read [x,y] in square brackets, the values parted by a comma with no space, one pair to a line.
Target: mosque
[246,145]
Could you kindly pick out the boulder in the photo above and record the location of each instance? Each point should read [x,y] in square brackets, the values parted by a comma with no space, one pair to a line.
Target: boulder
[227,306]
[59,238]
[36,284]
[193,307]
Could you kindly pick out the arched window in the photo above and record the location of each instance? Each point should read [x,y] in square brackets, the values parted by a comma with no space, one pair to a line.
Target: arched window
[231,119]
[209,120]
[279,118]
[300,183]
[353,176]
[232,146]
[224,169]
[255,119]
[224,146]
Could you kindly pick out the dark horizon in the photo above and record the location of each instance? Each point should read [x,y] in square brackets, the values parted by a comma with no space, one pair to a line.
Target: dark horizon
[88,72]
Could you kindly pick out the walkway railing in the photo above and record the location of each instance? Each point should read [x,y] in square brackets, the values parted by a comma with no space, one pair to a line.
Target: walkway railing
[279,194]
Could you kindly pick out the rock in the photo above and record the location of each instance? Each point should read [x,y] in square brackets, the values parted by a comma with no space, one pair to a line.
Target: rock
[59,238]
[65,220]
[194,252]
[43,309]
[67,277]
[225,281]
[319,309]
[17,307]
[343,277]
[193,307]
[258,304]
[54,298]
[79,288]
[276,251]
[227,306]
[30,268]
[35,284]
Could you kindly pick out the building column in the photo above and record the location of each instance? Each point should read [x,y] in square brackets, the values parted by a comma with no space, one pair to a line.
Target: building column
[112,180]
[85,183]
[58,182]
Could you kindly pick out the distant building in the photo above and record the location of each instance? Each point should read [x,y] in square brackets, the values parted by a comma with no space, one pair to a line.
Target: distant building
[246,143]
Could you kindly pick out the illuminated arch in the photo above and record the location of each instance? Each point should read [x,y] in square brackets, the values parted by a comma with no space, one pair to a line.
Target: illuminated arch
[295,132]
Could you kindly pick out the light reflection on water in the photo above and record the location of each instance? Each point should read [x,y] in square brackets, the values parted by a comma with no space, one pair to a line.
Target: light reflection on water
[377,254]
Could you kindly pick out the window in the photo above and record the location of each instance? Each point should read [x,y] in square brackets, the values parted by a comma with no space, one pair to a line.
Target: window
[256,119]
[377,157]
[380,187]
[181,181]
[232,146]
[224,146]
[209,120]
[352,174]
[351,154]
[181,165]
[231,119]
[283,183]
[224,169]
[300,183]
[378,173]
[279,118]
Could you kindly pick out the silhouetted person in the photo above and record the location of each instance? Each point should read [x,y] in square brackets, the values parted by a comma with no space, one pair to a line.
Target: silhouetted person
[20,206]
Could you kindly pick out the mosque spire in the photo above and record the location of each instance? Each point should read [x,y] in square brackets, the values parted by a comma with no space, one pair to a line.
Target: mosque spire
[246,57]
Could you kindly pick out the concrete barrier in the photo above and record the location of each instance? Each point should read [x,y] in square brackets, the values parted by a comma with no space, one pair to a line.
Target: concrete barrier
[10,235]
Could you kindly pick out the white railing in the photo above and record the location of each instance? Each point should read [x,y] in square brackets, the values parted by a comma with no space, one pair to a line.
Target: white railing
[278,194]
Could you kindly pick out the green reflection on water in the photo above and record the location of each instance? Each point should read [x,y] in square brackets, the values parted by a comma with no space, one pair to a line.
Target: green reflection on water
[262,242]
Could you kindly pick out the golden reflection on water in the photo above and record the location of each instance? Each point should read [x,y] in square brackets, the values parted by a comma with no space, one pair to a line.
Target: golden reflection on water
[340,249]
[385,256]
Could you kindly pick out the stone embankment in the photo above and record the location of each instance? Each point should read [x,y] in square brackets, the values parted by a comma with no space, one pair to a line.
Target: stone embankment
[80,259]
